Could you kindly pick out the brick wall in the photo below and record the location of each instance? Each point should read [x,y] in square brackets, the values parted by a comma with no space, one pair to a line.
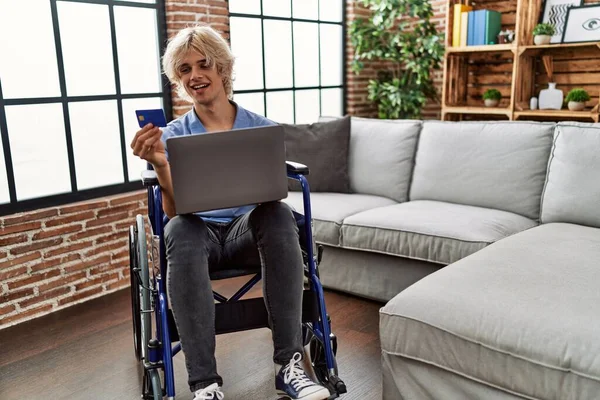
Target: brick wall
[181,14]
[56,257]
[358,103]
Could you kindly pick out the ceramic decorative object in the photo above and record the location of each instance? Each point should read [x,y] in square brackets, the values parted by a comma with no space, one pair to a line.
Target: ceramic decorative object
[551,98]
[505,37]
[491,102]
[576,106]
[541,39]
[533,103]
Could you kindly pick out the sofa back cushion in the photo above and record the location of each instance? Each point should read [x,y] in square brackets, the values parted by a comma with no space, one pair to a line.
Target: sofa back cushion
[572,191]
[500,165]
[381,156]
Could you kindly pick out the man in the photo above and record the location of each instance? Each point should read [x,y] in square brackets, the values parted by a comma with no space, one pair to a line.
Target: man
[199,62]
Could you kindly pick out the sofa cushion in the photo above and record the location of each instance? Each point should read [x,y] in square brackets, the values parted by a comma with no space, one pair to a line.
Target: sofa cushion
[381,156]
[521,315]
[499,165]
[429,230]
[572,192]
[330,209]
[323,148]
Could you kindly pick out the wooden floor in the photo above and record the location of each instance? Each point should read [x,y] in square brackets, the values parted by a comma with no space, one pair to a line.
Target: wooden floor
[86,352]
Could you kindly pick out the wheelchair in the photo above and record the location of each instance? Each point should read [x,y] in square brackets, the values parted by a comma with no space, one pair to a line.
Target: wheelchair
[148,268]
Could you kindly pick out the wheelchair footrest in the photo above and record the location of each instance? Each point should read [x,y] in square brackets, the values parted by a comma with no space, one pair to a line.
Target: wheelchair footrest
[248,314]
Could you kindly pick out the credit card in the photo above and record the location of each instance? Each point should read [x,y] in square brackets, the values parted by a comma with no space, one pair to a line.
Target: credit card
[154,117]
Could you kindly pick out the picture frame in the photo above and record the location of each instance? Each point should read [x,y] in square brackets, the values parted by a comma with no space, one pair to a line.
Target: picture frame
[582,24]
[555,12]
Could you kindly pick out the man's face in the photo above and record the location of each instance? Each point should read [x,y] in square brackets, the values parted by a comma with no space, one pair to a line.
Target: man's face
[202,83]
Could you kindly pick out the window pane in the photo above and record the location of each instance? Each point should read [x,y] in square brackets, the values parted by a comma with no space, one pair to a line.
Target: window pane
[331,102]
[331,55]
[331,10]
[244,6]
[307,106]
[135,165]
[246,45]
[87,48]
[38,148]
[251,101]
[137,46]
[97,145]
[278,54]
[306,54]
[280,107]
[277,8]
[4,194]
[27,70]
[306,9]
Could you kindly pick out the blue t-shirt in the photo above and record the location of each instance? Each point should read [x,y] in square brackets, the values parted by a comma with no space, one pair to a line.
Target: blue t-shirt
[189,124]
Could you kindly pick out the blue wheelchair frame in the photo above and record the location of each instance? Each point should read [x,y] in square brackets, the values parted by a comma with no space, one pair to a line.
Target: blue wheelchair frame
[160,351]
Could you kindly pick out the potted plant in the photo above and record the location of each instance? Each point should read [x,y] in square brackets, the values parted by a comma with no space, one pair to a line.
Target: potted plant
[403,34]
[492,97]
[542,33]
[576,99]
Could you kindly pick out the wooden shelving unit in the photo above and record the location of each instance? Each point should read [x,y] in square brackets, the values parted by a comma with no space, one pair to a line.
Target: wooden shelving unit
[517,69]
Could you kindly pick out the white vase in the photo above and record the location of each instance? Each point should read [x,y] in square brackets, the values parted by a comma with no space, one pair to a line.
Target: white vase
[533,103]
[551,98]
[541,39]
[576,105]
[490,102]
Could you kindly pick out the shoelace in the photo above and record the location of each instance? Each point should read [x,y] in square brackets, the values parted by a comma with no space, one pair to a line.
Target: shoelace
[294,374]
[212,392]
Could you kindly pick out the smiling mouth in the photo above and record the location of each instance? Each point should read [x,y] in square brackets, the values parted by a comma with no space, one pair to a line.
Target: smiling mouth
[197,87]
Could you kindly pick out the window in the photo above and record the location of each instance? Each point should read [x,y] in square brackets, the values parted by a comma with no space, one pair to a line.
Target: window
[289,58]
[69,87]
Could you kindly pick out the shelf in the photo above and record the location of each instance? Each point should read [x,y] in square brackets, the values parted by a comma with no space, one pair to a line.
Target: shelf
[557,114]
[560,45]
[480,49]
[477,110]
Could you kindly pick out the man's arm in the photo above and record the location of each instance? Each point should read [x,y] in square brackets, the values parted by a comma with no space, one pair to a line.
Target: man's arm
[147,145]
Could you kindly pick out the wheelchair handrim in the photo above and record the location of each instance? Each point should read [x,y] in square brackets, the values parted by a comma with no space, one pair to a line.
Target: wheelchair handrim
[144,274]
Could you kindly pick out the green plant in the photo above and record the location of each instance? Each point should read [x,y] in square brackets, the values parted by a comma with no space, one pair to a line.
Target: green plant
[401,33]
[544,29]
[577,95]
[492,94]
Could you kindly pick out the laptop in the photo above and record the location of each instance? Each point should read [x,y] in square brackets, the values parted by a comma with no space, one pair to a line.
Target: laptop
[228,169]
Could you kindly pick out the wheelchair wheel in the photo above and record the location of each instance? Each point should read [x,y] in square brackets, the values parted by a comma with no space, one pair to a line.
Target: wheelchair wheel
[152,389]
[136,315]
[143,274]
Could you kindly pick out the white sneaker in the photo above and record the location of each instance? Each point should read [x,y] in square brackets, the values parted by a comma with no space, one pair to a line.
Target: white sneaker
[212,392]
[293,383]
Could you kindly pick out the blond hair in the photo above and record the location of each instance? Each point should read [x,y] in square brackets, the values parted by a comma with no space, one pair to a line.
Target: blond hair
[206,41]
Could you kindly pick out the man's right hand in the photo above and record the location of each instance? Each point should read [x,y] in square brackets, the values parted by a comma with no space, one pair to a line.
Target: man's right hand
[147,145]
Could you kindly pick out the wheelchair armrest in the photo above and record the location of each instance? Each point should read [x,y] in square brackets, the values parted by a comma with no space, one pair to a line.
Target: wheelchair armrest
[296,168]
[149,178]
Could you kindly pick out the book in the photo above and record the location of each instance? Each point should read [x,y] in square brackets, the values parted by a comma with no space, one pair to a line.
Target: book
[470,27]
[493,26]
[479,28]
[456,27]
[463,28]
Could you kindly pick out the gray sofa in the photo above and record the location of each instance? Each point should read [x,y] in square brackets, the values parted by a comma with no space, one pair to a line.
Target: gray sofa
[484,240]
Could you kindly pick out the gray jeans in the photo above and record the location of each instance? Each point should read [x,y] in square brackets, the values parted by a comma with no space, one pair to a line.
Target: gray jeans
[266,236]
